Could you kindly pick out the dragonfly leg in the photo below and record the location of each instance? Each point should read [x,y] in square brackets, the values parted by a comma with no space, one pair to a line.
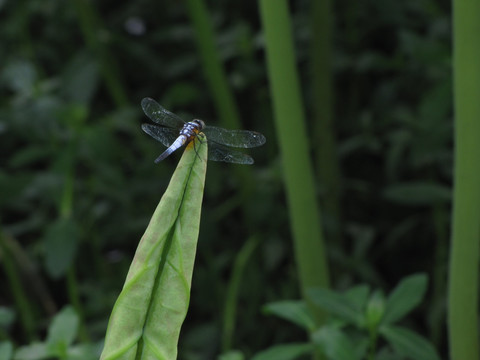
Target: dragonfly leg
[195,148]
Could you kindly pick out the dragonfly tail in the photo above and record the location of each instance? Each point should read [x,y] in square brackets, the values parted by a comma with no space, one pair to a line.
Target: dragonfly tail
[162,156]
[176,144]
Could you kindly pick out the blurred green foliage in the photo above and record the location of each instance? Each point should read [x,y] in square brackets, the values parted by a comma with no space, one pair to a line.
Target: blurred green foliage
[78,184]
[358,321]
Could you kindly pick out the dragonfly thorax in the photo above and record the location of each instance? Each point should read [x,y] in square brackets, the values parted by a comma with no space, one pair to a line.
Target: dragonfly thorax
[192,128]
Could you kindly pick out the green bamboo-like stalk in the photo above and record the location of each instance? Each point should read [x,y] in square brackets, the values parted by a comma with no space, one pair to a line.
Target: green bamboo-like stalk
[212,66]
[464,257]
[322,95]
[292,136]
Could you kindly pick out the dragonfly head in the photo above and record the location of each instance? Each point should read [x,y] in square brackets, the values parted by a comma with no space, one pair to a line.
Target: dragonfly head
[200,123]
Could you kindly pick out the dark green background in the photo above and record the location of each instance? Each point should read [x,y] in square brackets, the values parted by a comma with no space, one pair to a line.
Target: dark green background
[78,184]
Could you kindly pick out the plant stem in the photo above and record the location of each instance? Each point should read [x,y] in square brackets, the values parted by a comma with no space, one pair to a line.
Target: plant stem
[23,306]
[74,298]
[373,336]
[232,292]
[292,136]
[464,261]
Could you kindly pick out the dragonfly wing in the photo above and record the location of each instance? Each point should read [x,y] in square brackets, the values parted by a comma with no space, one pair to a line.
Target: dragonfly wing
[165,135]
[160,115]
[235,138]
[217,152]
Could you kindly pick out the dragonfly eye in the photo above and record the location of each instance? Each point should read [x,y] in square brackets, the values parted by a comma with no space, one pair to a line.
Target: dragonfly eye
[200,123]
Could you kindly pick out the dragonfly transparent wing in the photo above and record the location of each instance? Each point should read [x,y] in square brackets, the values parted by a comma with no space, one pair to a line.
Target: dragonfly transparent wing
[165,135]
[235,138]
[217,152]
[160,115]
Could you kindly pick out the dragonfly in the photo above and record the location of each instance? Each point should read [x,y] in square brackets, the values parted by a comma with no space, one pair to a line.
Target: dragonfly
[173,133]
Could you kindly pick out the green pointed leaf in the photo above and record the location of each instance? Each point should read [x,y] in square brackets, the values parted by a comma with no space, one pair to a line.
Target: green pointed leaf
[6,350]
[63,329]
[60,246]
[337,304]
[334,344]
[284,352]
[294,311]
[146,320]
[408,294]
[409,344]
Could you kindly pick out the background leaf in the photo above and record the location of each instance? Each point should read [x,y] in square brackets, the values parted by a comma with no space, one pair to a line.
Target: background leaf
[6,350]
[409,344]
[335,344]
[336,304]
[7,316]
[405,297]
[294,311]
[358,295]
[63,330]
[61,241]
[284,352]
[33,351]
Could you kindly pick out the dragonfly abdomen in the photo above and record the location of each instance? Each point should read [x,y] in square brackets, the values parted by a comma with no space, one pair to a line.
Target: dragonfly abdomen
[180,141]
